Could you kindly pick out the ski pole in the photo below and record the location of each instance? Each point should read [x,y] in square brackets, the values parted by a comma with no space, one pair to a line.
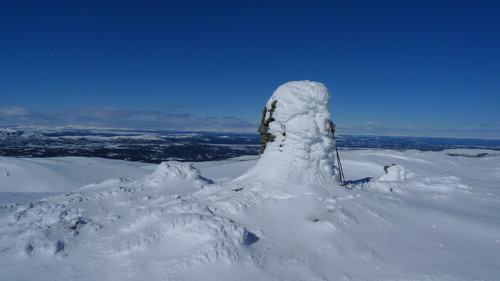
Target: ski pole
[341,170]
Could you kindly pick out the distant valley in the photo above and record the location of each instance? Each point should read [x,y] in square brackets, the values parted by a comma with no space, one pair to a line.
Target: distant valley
[158,146]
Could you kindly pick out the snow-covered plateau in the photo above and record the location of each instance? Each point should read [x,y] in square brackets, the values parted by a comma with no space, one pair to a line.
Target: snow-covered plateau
[441,223]
[405,215]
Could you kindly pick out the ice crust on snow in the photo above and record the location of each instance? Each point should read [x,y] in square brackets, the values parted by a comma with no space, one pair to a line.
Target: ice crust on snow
[302,150]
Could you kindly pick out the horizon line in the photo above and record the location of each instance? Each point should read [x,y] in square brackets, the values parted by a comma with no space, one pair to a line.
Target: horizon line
[62,127]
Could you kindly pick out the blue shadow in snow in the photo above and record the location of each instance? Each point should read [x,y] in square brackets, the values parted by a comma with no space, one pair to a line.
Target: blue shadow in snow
[360,181]
[250,238]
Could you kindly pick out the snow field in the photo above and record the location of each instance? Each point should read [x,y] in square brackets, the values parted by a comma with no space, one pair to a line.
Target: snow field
[441,224]
[123,218]
[62,173]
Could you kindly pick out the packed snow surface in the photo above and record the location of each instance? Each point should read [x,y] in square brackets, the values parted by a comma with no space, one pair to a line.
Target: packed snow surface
[443,223]
[62,173]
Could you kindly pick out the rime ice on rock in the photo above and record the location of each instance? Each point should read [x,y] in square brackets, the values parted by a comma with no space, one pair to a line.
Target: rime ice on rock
[296,144]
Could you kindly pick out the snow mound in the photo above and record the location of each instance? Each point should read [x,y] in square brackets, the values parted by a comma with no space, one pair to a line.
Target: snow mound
[117,219]
[174,170]
[396,173]
[300,148]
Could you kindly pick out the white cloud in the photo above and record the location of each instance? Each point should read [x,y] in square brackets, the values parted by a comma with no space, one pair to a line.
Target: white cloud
[172,118]
[163,119]
[463,131]
[370,123]
[15,111]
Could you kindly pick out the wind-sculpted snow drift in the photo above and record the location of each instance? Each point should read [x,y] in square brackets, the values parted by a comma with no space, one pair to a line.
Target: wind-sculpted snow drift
[120,218]
[286,218]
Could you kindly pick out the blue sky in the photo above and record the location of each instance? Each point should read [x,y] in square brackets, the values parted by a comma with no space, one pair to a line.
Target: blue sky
[427,68]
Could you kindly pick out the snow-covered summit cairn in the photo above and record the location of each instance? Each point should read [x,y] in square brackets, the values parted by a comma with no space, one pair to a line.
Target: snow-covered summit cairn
[296,144]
